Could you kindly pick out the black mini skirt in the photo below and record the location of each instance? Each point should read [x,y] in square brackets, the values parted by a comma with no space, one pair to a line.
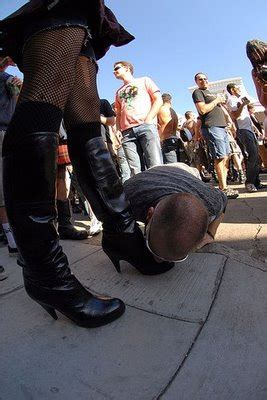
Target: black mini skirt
[57,18]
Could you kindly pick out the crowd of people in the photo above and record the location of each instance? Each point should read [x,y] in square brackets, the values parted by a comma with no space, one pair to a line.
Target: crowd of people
[127,162]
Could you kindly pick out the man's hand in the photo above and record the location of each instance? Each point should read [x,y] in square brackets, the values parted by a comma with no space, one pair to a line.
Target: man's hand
[245,101]
[207,239]
[5,62]
[16,81]
[220,99]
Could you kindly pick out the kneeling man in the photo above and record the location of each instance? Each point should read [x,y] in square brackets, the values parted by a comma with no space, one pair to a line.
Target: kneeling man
[181,213]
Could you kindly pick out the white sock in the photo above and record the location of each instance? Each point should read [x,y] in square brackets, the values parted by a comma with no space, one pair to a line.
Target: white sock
[9,236]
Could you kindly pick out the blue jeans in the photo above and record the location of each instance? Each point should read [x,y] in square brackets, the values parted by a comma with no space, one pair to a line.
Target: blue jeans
[139,141]
[123,164]
[248,144]
[170,150]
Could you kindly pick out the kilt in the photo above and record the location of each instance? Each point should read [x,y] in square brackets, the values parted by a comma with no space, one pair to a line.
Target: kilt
[63,157]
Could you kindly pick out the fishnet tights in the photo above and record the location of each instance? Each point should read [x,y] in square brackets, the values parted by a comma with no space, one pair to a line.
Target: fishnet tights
[55,74]
[83,104]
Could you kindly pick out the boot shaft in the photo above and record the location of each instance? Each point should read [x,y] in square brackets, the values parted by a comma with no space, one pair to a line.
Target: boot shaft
[100,182]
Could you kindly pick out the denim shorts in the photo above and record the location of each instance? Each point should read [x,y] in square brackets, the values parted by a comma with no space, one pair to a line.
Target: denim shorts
[218,141]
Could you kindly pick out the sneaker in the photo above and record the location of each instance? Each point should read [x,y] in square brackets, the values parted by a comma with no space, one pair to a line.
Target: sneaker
[12,251]
[241,177]
[205,176]
[95,227]
[3,237]
[231,193]
[250,188]
[3,274]
[261,186]
[257,53]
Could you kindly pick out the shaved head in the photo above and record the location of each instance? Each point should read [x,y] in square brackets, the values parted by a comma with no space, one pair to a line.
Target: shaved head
[179,223]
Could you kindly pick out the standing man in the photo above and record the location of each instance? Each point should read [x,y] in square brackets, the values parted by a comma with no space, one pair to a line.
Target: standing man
[167,124]
[213,123]
[9,91]
[107,119]
[246,139]
[137,104]
[190,123]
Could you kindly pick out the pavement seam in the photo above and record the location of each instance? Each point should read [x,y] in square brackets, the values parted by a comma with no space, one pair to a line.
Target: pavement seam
[83,258]
[11,291]
[190,321]
[216,290]
[241,261]
[255,240]
[252,211]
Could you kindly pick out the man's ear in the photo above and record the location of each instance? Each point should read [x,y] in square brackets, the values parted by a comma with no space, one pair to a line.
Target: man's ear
[150,213]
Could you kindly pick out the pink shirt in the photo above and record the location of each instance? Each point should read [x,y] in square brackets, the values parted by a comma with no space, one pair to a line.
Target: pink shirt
[134,101]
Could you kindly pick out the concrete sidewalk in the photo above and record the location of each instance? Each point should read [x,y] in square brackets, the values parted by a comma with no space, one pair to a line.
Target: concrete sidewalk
[196,332]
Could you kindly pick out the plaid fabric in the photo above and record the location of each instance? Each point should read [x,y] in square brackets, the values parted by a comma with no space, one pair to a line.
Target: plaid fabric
[63,155]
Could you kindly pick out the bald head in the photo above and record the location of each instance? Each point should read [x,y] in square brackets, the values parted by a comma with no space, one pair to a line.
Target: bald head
[179,223]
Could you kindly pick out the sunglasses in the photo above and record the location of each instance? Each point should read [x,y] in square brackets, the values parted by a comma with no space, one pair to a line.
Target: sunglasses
[146,234]
[116,68]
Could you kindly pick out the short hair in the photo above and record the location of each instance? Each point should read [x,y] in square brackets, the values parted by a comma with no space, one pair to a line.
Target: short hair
[166,97]
[199,73]
[179,224]
[125,64]
[230,86]
[187,114]
[250,106]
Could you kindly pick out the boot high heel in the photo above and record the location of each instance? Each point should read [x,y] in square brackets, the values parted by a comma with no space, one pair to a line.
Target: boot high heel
[131,247]
[66,295]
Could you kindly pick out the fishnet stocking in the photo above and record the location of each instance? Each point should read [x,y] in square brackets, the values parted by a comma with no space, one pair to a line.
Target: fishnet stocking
[49,62]
[83,104]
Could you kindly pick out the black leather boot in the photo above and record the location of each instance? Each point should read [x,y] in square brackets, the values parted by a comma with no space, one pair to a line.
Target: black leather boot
[29,184]
[66,229]
[98,178]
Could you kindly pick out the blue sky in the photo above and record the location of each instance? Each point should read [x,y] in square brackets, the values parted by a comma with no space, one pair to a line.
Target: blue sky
[175,39]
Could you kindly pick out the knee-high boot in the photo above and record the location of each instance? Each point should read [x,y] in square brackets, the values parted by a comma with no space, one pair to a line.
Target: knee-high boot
[29,185]
[98,178]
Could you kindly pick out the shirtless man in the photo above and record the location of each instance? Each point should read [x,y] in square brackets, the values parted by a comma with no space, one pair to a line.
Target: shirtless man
[167,126]
[188,134]
[190,122]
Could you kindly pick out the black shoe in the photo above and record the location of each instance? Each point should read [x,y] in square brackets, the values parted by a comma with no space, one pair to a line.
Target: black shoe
[131,247]
[66,295]
[71,233]
[12,251]
[260,186]
[3,237]
[3,274]
[65,228]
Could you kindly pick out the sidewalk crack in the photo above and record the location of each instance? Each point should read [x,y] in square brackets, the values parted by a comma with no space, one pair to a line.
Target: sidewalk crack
[216,290]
